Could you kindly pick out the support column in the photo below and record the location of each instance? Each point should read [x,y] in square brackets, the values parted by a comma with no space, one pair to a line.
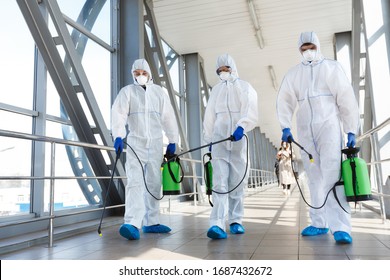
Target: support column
[131,34]
[193,105]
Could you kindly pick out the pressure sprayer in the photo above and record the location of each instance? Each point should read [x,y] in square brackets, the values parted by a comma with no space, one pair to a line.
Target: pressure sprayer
[290,140]
[171,177]
[355,176]
[208,174]
[171,169]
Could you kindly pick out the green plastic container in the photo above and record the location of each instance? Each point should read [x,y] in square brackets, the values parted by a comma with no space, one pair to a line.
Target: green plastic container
[208,169]
[171,177]
[355,176]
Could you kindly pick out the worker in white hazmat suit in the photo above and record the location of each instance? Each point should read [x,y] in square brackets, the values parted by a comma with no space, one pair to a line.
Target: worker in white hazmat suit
[231,110]
[146,109]
[326,106]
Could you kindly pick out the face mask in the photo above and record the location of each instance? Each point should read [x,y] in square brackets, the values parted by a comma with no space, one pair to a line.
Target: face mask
[224,75]
[309,55]
[142,80]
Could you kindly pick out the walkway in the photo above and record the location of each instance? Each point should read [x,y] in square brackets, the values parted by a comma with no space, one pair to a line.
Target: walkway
[273,224]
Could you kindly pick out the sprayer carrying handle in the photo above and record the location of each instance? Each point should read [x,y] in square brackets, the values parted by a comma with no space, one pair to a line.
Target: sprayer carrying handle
[171,159]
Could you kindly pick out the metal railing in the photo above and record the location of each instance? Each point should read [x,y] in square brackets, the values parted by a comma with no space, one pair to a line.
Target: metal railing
[257,178]
[377,163]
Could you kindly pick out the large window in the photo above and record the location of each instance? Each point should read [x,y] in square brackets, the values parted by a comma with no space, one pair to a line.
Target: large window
[17,54]
[16,87]
[378,47]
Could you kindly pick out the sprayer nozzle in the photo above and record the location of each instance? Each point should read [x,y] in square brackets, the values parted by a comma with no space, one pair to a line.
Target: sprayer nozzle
[100,234]
[311,158]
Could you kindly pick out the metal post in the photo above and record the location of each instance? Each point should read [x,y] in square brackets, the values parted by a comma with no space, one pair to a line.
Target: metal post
[51,211]
[378,173]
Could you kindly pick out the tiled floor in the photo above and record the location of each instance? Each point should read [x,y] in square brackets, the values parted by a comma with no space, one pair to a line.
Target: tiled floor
[273,224]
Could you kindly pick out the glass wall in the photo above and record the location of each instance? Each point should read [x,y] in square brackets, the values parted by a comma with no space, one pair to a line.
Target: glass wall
[377,29]
[17,54]
[16,87]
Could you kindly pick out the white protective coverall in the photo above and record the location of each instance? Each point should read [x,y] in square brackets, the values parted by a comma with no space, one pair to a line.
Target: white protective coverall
[326,105]
[232,103]
[147,112]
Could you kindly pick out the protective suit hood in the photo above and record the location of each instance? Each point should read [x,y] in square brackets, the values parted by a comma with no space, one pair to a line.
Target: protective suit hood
[227,60]
[143,65]
[310,37]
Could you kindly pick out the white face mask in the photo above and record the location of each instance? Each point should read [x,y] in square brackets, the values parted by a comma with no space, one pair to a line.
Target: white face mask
[224,75]
[142,80]
[309,55]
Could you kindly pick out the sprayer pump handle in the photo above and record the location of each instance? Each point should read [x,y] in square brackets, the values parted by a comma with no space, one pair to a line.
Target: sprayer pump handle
[351,151]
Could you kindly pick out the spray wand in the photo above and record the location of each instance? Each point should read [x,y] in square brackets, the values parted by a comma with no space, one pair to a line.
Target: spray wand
[332,189]
[231,138]
[107,192]
[290,139]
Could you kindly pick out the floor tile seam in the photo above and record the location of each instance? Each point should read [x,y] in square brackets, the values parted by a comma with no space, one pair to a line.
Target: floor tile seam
[382,242]
[276,217]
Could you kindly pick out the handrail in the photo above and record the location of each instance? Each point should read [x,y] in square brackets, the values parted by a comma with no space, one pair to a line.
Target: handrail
[377,161]
[257,175]
[26,136]
[373,130]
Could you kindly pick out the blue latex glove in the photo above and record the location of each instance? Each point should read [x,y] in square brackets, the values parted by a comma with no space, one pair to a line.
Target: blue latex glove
[238,133]
[286,135]
[351,140]
[171,148]
[118,145]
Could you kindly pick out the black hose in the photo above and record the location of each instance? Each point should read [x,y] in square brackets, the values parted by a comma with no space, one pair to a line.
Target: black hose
[231,138]
[143,173]
[246,169]
[338,183]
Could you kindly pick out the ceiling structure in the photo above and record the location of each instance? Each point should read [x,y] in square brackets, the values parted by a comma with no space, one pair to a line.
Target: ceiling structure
[214,27]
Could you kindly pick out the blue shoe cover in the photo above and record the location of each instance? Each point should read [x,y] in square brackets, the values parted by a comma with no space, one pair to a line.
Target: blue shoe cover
[129,232]
[236,228]
[312,231]
[156,229]
[342,237]
[215,232]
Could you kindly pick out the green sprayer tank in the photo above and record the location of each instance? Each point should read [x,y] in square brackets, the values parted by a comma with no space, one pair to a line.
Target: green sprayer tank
[171,178]
[208,173]
[355,176]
